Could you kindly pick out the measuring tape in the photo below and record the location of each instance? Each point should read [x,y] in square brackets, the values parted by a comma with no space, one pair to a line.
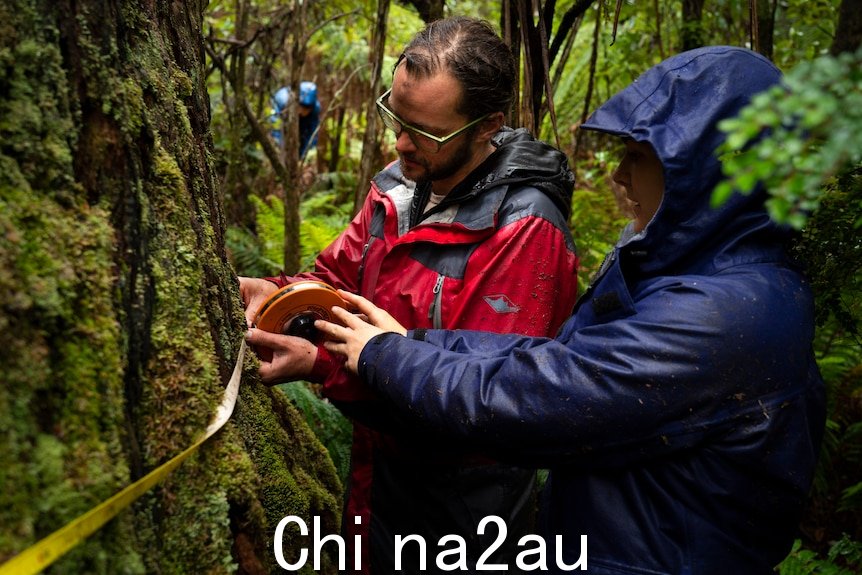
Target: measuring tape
[291,310]
[36,558]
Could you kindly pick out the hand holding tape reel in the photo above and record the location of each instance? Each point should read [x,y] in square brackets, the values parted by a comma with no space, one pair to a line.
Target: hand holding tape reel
[292,309]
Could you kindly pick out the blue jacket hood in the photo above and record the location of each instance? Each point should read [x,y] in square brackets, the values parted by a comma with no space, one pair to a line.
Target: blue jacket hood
[675,107]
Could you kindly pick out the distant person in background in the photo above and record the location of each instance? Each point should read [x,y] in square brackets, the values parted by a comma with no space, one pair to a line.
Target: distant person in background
[308,110]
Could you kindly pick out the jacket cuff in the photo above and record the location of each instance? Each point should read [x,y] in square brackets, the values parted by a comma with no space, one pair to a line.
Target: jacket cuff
[338,384]
[280,280]
[324,364]
[369,353]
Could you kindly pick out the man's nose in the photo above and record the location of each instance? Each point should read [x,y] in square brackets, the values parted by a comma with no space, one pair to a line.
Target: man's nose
[403,142]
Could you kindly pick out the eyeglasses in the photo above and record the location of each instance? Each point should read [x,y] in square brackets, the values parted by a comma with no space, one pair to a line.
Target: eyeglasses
[420,138]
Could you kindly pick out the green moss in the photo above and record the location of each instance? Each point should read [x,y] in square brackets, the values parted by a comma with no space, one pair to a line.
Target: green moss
[133,100]
[182,83]
[60,351]
[33,130]
[119,313]
[286,452]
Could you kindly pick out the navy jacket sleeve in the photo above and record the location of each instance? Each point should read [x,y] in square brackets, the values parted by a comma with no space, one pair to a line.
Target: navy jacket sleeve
[662,379]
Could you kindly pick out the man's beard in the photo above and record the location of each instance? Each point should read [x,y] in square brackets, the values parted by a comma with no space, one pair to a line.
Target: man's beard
[457,159]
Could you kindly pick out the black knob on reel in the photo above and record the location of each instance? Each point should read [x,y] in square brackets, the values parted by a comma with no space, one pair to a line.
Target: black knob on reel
[303,326]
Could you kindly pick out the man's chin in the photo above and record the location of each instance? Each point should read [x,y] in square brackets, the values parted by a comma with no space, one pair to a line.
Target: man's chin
[412,170]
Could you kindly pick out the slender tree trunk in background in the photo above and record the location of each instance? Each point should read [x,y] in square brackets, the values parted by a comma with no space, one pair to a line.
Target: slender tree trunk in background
[658,39]
[429,10]
[335,141]
[543,48]
[295,49]
[848,34]
[753,24]
[594,56]
[120,316]
[766,25]
[692,26]
[370,145]
[568,28]
[531,90]
[511,32]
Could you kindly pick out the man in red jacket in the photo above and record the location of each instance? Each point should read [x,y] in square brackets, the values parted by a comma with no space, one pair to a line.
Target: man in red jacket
[468,229]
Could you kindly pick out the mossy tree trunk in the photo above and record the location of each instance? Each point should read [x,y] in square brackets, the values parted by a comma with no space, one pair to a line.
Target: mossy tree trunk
[120,317]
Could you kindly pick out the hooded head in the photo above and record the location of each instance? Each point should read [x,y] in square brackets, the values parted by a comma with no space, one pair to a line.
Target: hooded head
[280,99]
[307,94]
[675,107]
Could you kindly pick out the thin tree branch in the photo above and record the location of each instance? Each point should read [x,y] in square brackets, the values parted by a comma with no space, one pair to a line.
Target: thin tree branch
[546,73]
[568,25]
[616,21]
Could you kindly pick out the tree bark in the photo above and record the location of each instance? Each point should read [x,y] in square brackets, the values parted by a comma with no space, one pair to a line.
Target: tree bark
[370,140]
[692,25]
[120,315]
[511,32]
[428,10]
[848,34]
[766,25]
[295,48]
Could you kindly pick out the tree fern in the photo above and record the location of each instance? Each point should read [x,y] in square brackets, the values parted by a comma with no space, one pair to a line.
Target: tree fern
[332,429]
[247,254]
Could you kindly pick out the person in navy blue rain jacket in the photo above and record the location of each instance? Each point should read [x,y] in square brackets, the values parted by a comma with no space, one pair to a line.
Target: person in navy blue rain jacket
[680,409]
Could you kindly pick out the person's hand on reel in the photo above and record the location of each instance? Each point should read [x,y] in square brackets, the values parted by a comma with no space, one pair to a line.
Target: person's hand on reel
[254,292]
[349,339]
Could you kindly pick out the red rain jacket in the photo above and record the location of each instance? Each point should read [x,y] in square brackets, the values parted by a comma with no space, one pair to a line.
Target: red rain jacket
[496,254]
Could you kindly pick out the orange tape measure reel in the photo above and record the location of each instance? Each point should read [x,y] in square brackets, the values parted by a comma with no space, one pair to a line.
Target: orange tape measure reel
[292,309]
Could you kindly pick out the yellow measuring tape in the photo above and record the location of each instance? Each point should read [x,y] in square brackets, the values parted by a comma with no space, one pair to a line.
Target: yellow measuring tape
[42,554]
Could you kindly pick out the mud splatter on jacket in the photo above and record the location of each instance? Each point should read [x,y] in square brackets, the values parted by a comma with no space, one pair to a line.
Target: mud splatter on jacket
[680,408]
[496,254]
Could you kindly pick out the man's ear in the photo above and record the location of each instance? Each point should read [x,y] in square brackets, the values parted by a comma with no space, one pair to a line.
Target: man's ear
[489,127]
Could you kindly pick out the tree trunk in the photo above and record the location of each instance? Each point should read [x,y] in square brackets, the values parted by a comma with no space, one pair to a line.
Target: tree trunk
[370,141]
[588,98]
[692,26]
[848,34]
[120,316]
[428,10]
[511,32]
[531,86]
[766,25]
[335,142]
[295,49]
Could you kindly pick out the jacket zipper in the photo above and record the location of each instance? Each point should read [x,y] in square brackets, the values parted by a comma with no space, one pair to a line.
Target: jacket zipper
[435,313]
[361,271]
[609,259]
[607,262]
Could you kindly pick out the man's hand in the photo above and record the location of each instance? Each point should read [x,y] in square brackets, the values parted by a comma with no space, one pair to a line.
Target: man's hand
[348,340]
[292,357]
[254,292]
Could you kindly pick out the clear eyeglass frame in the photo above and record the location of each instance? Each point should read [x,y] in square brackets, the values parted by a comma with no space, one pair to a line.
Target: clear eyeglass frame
[421,139]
